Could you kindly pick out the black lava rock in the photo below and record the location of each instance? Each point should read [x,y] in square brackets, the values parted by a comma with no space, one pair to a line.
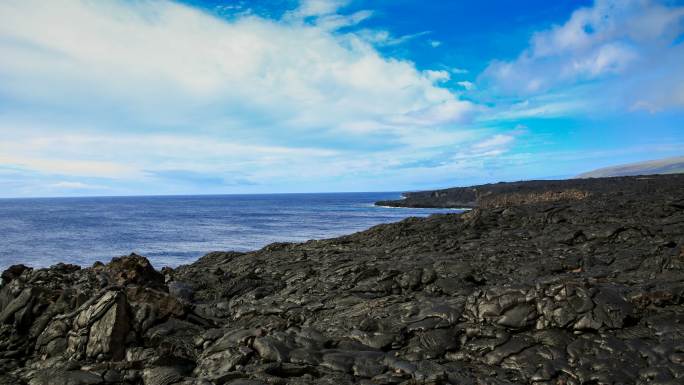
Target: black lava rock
[545,282]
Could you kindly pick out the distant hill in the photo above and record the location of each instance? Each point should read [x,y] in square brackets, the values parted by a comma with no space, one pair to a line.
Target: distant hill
[535,191]
[661,166]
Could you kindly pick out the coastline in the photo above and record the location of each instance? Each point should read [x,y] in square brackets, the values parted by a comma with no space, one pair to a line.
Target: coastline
[177,230]
[513,193]
[450,298]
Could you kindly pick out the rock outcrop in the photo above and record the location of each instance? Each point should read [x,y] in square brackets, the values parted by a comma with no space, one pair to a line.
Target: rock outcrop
[543,287]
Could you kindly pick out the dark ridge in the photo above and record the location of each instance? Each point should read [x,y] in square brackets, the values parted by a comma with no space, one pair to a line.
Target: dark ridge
[506,193]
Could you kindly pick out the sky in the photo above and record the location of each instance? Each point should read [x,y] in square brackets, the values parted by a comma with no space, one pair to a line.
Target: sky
[144,97]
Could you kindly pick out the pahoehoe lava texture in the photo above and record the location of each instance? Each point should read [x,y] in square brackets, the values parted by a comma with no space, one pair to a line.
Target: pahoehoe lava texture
[578,285]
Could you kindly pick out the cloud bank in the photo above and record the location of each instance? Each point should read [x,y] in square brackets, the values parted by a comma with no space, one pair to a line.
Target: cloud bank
[180,88]
[167,62]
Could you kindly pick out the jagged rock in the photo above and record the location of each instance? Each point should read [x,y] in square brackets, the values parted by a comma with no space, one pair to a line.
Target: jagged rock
[12,312]
[100,330]
[108,334]
[11,273]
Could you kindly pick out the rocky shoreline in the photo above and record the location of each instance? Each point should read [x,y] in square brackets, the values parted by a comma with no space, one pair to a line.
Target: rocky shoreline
[545,282]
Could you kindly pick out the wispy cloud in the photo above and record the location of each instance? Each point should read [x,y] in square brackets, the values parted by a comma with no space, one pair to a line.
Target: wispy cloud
[495,141]
[466,85]
[324,14]
[627,49]
[74,186]
[384,38]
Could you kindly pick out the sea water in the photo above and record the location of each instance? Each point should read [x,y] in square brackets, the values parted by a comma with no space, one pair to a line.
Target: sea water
[175,230]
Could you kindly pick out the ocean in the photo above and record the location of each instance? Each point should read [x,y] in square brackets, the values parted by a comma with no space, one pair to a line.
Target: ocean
[175,230]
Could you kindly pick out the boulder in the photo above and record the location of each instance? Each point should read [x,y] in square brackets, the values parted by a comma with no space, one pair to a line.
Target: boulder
[100,330]
[133,270]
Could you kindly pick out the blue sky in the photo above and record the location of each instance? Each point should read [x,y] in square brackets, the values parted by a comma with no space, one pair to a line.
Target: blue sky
[189,97]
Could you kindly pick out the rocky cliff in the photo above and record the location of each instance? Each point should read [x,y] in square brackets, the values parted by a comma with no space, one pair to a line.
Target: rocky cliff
[568,284]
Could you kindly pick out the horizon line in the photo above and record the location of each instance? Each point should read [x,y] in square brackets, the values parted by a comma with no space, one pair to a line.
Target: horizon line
[548,178]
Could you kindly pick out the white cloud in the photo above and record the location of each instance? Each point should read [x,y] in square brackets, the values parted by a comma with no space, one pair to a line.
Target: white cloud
[468,86]
[118,93]
[333,22]
[437,76]
[383,38]
[520,129]
[74,186]
[162,63]
[435,115]
[130,163]
[626,45]
[495,141]
[319,7]
[54,150]
[207,164]
[325,14]
[71,167]
[435,43]
[459,71]
[543,106]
